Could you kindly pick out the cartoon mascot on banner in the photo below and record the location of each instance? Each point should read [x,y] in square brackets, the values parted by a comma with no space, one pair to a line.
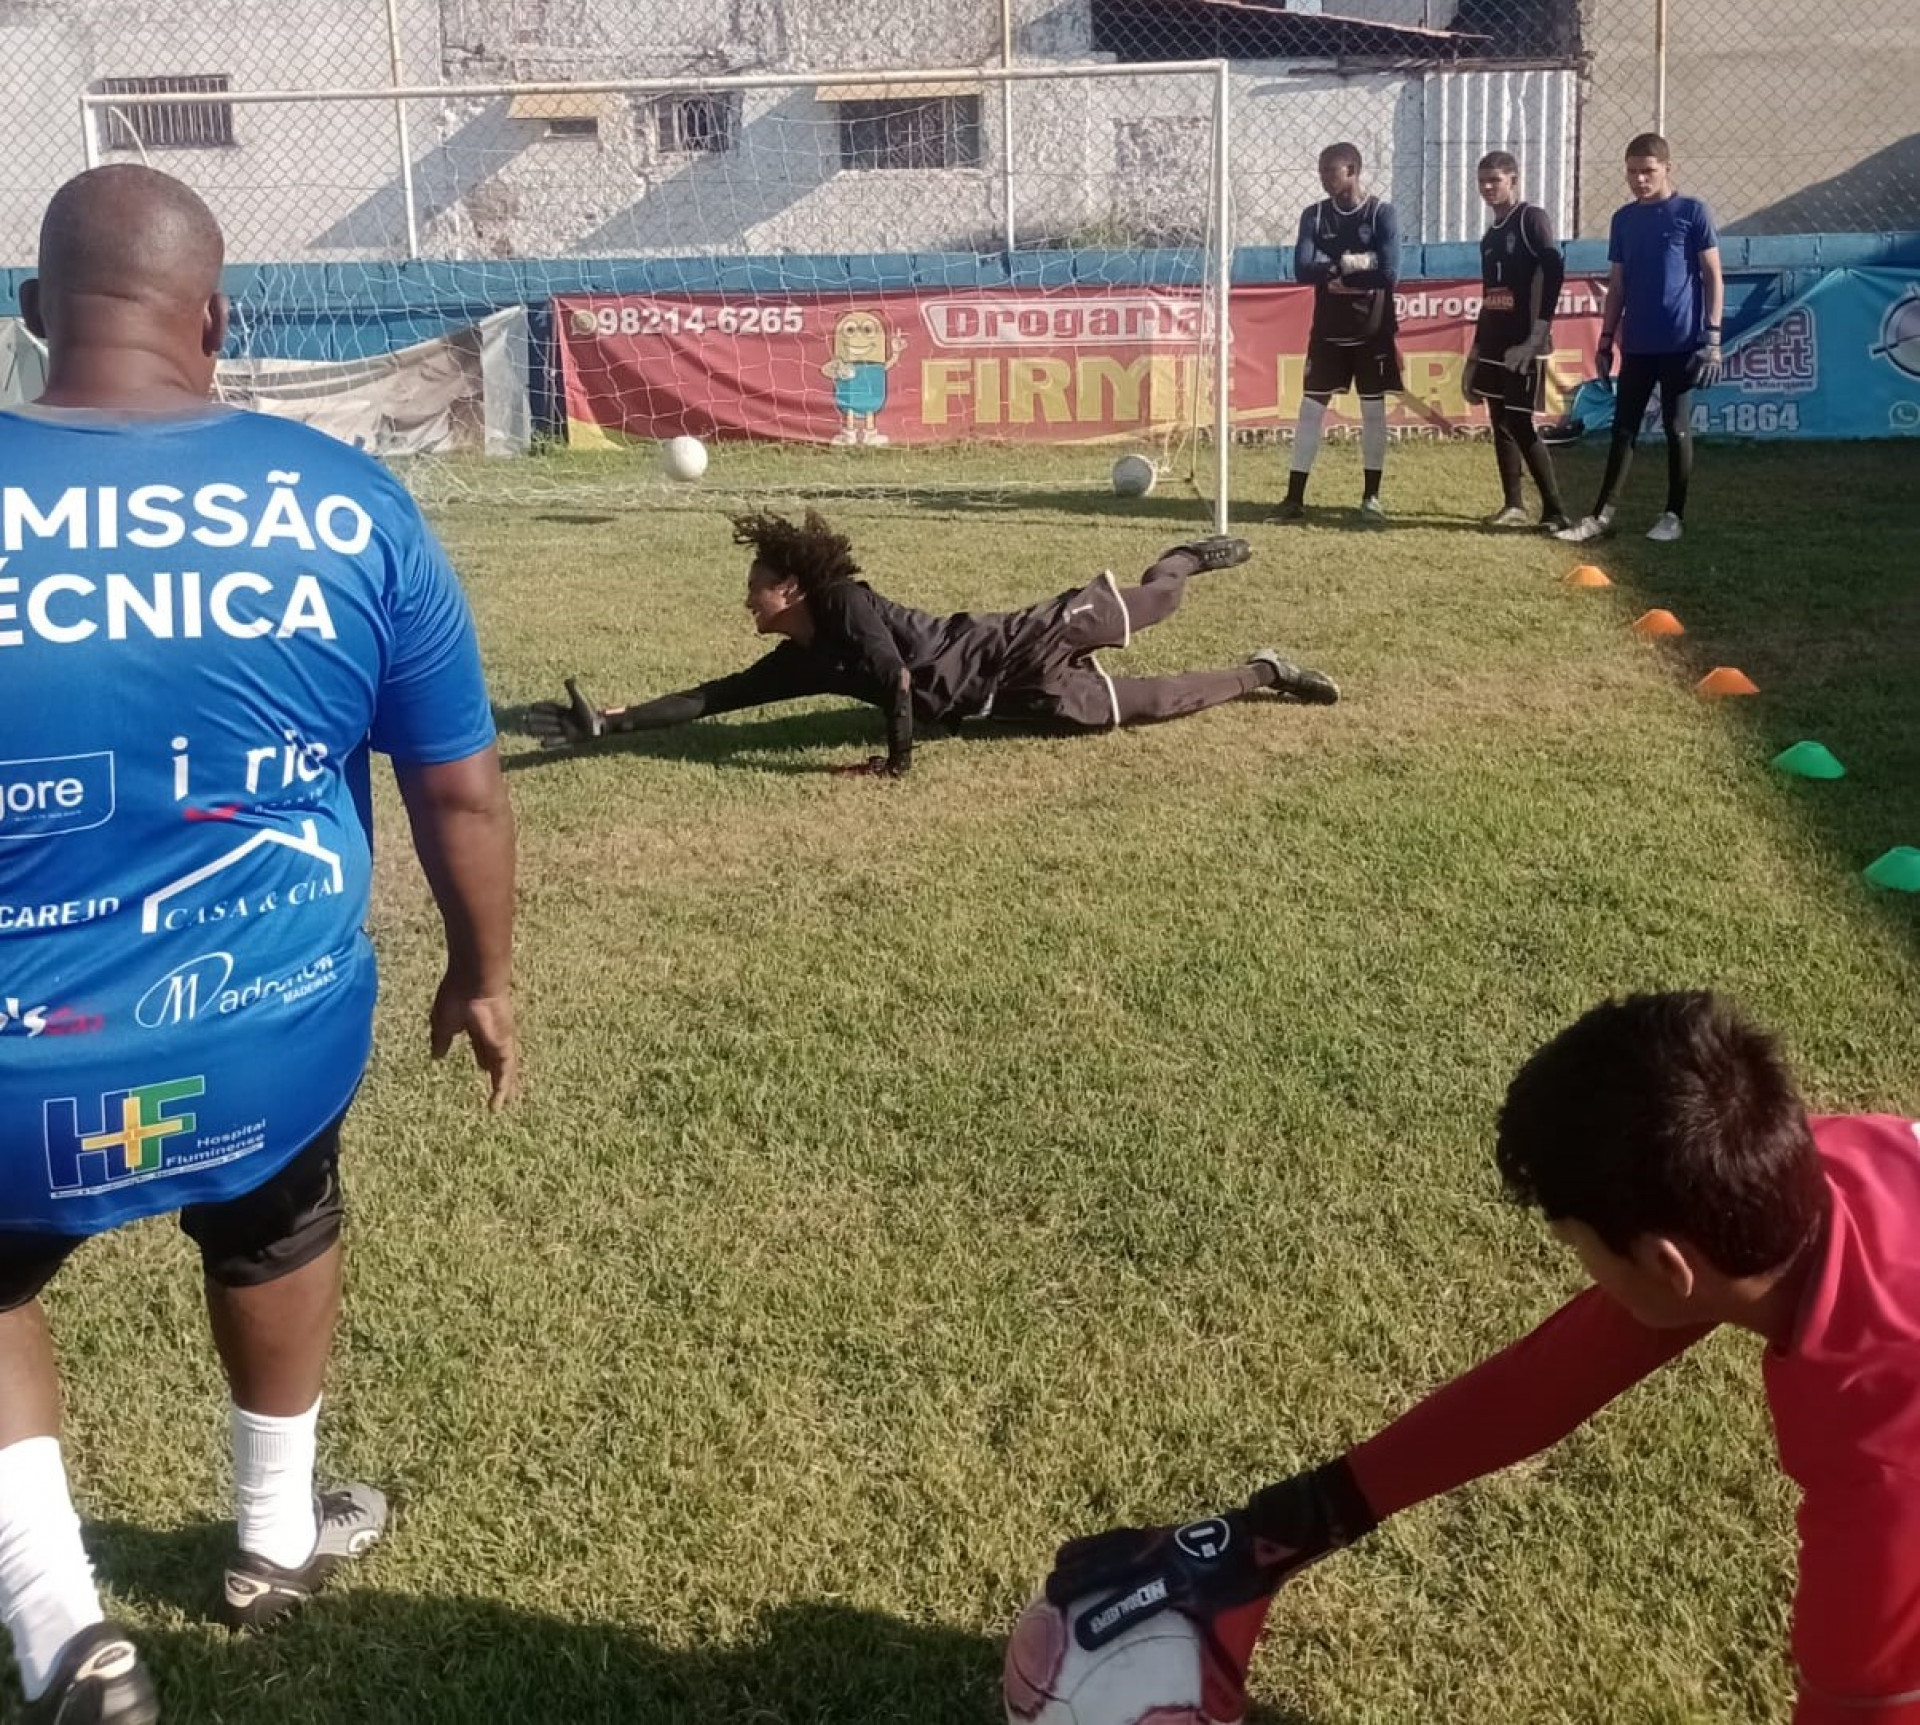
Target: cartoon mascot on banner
[864,351]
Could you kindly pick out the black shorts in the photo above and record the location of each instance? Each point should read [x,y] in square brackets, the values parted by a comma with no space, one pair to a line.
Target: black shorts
[1371,366]
[282,1225]
[1502,386]
[1048,674]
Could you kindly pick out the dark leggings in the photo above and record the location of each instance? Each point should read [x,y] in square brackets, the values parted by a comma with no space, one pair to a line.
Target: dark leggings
[1160,590]
[1640,375]
[1147,700]
[1516,445]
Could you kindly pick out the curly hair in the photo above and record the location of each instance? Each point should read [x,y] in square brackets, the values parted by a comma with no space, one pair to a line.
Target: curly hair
[808,552]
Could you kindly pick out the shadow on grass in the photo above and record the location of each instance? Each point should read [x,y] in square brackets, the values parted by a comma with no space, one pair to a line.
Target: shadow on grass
[1797,568]
[370,1656]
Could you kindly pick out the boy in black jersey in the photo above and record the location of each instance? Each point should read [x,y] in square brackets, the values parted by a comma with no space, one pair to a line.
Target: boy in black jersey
[1037,665]
[1349,248]
[1521,270]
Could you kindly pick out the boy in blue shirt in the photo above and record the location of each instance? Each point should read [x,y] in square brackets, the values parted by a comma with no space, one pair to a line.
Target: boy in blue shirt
[1666,288]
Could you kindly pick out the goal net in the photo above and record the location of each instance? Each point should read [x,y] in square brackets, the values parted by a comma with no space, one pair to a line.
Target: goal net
[971,283]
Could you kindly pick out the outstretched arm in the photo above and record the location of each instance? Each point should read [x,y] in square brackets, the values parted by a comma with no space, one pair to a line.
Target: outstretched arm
[779,676]
[1520,1401]
[1224,1570]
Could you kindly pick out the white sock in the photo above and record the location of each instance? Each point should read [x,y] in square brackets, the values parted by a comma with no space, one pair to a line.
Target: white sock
[1306,435]
[273,1485]
[1373,432]
[46,1583]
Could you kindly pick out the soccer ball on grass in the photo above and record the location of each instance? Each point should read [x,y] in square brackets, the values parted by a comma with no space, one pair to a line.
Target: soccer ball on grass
[683,458]
[1149,1676]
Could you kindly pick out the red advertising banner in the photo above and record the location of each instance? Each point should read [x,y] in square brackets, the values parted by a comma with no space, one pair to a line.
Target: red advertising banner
[1078,365]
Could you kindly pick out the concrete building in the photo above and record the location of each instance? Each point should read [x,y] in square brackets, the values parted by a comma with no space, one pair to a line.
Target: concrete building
[1762,113]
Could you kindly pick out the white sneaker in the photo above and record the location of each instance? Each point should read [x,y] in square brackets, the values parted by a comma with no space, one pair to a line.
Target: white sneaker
[1666,529]
[1372,511]
[1588,527]
[1509,517]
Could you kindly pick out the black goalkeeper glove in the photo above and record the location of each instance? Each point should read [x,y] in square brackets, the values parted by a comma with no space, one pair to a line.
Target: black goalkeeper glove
[1205,1568]
[566,724]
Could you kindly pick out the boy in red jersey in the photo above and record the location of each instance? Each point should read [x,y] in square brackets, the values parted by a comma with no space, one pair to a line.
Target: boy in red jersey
[1664,1142]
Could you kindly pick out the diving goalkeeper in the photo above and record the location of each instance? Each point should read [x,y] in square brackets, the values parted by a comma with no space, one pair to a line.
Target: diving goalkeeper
[1036,666]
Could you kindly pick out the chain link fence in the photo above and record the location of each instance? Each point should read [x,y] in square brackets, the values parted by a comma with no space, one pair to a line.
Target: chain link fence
[1787,116]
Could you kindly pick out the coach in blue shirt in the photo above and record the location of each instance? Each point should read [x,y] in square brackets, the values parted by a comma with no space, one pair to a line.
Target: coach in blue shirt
[207,621]
[1665,293]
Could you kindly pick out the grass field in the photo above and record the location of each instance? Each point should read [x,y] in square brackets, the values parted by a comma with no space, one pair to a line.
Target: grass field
[1079,1129]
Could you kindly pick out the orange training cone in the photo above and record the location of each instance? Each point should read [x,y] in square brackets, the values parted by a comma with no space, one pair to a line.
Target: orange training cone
[1726,680]
[1588,575]
[1652,625]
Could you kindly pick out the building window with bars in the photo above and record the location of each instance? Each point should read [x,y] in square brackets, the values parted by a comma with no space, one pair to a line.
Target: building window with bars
[141,117]
[910,130]
[694,125]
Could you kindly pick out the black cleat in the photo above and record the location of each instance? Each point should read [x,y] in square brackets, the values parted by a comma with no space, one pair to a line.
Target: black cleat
[257,1594]
[1293,682]
[1219,552]
[99,1681]
[1288,509]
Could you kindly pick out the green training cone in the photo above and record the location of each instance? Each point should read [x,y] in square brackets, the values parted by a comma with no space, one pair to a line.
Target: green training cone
[1898,870]
[1809,760]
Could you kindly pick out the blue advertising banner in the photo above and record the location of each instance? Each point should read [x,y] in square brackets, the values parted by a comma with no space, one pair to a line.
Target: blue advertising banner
[1841,361]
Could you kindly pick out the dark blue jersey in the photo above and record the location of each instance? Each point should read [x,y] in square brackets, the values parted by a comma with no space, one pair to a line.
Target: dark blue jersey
[1521,270]
[1357,306]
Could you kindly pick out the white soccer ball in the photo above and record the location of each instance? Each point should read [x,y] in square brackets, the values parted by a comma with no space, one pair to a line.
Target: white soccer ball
[1133,476]
[683,458]
[1149,1676]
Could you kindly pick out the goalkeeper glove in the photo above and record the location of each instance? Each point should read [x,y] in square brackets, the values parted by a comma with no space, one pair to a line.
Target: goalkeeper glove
[1708,366]
[1352,263]
[566,724]
[1211,1569]
[1523,353]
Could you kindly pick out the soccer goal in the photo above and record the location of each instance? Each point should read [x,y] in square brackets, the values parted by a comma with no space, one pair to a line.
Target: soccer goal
[953,282]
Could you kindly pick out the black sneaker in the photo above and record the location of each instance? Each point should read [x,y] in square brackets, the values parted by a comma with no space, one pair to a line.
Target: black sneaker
[258,1594]
[99,1681]
[1218,552]
[1554,523]
[1288,509]
[1293,682]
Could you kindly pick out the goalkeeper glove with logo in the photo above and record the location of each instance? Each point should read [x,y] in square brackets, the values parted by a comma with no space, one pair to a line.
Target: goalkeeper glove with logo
[1213,1570]
[1708,367]
[566,724]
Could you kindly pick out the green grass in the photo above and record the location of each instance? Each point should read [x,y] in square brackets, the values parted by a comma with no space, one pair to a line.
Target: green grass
[911,1175]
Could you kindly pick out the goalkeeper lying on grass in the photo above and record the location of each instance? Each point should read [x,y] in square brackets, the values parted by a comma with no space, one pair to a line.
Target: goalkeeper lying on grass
[1037,665]
[1663,1141]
